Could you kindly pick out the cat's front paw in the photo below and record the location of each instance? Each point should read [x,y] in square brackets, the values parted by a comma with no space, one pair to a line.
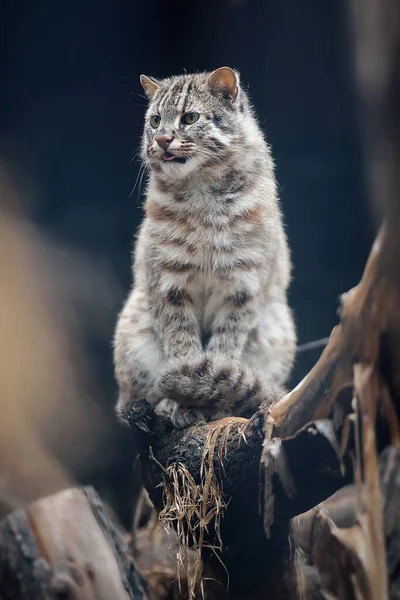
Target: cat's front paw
[164,408]
[188,380]
[203,381]
[181,416]
[185,416]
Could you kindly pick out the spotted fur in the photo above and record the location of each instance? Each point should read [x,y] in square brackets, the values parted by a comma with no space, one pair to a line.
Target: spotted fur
[206,330]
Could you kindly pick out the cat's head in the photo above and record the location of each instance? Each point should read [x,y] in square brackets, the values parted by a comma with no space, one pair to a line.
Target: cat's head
[192,122]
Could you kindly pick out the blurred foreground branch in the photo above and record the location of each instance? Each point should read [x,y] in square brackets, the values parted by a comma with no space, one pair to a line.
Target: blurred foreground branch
[65,546]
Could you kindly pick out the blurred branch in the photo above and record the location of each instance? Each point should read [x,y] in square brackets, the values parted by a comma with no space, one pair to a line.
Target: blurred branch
[375,27]
[45,382]
[65,546]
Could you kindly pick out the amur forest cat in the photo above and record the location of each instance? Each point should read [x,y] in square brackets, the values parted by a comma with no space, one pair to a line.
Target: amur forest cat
[206,331]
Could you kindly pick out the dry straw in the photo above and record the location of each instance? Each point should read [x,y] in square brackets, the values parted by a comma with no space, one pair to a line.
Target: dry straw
[191,507]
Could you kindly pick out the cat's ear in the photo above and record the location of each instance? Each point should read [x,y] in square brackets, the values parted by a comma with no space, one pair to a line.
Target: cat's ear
[224,81]
[150,86]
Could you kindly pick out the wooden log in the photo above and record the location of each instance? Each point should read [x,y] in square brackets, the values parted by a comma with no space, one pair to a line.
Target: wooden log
[66,547]
[253,561]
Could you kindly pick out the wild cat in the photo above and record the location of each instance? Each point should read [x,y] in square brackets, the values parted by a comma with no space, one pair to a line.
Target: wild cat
[206,330]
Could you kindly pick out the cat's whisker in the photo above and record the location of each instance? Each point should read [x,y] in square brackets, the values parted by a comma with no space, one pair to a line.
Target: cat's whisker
[134,156]
[141,173]
[144,172]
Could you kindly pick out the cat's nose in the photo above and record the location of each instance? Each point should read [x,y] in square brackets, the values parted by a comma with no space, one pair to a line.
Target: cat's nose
[163,141]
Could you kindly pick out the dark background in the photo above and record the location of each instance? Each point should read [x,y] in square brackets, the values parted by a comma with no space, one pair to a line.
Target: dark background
[71,114]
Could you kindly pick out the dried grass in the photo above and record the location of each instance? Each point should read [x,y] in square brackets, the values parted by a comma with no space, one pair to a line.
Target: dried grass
[191,507]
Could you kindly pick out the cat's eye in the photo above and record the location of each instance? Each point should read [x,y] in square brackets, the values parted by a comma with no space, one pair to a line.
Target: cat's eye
[155,121]
[190,118]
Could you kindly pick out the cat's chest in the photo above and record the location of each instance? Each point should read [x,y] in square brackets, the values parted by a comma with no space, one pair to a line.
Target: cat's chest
[201,238]
[203,241]
[206,292]
[208,243]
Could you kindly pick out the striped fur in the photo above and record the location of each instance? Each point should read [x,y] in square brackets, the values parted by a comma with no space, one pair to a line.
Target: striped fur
[206,330]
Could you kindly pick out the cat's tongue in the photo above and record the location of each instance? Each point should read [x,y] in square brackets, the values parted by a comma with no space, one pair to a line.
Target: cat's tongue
[168,156]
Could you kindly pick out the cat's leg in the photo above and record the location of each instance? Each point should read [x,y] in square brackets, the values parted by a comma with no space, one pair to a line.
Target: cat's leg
[273,350]
[139,361]
[270,353]
[224,386]
[138,356]
[181,416]
[219,387]
[138,369]
[214,379]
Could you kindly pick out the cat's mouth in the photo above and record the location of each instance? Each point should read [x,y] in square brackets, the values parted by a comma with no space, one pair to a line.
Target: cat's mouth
[168,156]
